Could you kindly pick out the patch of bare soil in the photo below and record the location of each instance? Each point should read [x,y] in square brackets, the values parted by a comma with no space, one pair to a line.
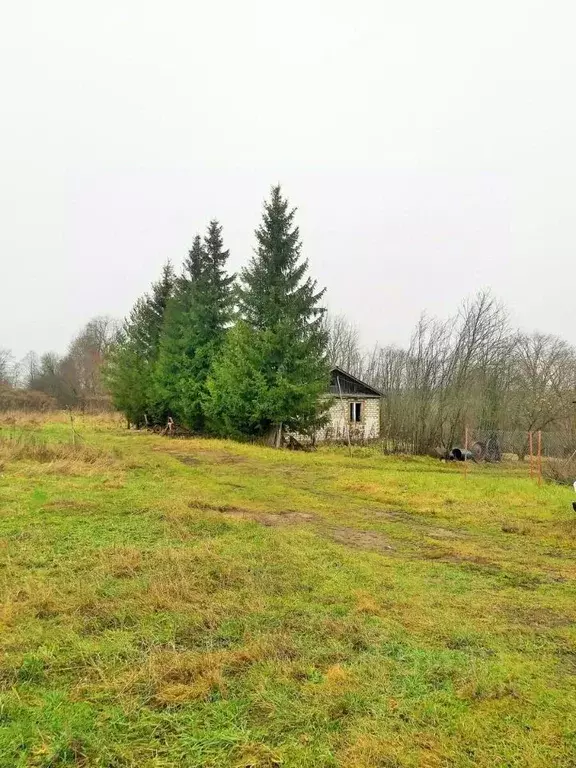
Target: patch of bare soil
[445,555]
[539,618]
[399,516]
[273,519]
[394,515]
[230,508]
[270,519]
[198,457]
[352,537]
[214,457]
[186,458]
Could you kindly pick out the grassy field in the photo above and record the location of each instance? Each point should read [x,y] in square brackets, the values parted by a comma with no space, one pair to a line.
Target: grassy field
[186,603]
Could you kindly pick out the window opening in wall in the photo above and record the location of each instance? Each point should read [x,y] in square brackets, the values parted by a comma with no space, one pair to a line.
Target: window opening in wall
[355,412]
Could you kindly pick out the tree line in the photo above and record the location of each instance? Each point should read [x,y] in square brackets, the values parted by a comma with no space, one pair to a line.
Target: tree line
[74,380]
[471,370]
[249,355]
[224,355]
[208,350]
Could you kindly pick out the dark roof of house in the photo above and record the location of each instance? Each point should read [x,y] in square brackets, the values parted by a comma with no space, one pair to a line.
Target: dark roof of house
[343,383]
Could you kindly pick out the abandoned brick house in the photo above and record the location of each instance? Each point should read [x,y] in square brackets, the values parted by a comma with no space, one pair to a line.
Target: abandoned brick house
[355,407]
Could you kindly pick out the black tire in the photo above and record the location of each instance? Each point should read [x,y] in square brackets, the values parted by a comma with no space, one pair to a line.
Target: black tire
[479,451]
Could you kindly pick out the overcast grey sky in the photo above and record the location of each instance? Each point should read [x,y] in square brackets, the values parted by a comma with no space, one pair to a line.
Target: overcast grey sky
[429,147]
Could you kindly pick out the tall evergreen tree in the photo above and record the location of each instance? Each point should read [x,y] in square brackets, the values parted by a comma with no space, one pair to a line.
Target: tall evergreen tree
[162,292]
[219,295]
[281,345]
[129,369]
[194,330]
[175,348]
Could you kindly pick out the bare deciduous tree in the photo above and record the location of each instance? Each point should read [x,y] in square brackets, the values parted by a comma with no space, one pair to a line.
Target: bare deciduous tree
[8,368]
[471,370]
[344,346]
[82,365]
[542,387]
[75,378]
[29,369]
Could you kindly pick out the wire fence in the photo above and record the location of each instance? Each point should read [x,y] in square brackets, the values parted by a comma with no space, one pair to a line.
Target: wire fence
[542,454]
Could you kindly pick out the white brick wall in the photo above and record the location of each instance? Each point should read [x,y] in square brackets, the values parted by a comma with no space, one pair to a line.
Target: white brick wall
[339,420]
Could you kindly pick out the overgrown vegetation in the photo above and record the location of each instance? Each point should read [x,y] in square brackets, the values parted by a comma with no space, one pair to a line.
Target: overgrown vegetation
[39,383]
[561,471]
[13,399]
[16,445]
[208,603]
[471,370]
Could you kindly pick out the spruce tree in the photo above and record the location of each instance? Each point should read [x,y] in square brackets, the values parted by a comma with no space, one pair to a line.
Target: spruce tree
[218,299]
[238,389]
[281,345]
[125,371]
[129,370]
[194,330]
[174,347]
[162,292]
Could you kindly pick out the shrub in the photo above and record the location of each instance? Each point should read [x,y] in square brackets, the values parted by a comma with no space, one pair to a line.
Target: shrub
[25,400]
[31,446]
[562,471]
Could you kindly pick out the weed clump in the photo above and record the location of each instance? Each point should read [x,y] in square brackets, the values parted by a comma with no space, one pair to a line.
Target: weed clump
[30,446]
[515,528]
[561,471]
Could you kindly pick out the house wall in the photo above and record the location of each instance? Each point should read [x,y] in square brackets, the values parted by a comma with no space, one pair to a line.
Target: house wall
[339,420]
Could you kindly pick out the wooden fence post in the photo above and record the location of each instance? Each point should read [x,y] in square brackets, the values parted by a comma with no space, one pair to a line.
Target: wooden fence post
[346,416]
[72,426]
[539,457]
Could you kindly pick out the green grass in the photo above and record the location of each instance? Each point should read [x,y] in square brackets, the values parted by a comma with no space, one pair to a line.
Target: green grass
[204,603]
